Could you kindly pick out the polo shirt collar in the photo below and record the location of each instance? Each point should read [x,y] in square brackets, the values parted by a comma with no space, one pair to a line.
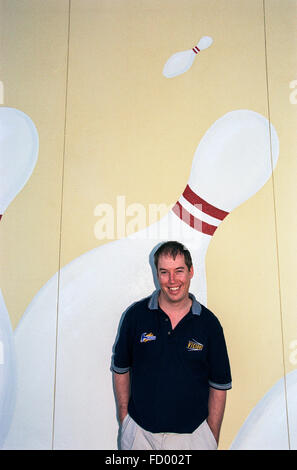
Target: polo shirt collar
[153,303]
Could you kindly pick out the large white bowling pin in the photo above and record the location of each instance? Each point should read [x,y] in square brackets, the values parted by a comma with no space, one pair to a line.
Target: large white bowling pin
[180,62]
[18,153]
[232,162]
[7,371]
[272,424]
[18,156]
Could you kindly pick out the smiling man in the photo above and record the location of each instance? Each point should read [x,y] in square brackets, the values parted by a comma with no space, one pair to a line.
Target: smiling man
[171,367]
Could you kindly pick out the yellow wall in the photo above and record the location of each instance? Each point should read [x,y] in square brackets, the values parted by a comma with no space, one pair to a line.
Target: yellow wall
[89,74]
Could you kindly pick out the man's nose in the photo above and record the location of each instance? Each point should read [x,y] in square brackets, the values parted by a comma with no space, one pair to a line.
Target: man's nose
[172,278]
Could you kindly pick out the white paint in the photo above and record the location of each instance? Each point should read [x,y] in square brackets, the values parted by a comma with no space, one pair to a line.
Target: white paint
[18,153]
[266,426]
[1,353]
[18,156]
[98,286]
[7,371]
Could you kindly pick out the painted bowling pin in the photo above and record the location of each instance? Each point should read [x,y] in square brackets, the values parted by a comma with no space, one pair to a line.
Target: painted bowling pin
[18,156]
[7,371]
[180,62]
[18,153]
[272,424]
[233,161]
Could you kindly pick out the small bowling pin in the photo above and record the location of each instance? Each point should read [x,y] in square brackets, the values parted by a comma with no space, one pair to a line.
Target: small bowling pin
[232,162]
[18,153]
[181,61]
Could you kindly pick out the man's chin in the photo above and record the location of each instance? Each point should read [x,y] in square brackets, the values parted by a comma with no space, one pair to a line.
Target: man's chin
[174,297]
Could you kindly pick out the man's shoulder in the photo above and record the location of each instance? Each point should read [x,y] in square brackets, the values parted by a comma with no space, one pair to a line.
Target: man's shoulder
[138,306]
[209,317]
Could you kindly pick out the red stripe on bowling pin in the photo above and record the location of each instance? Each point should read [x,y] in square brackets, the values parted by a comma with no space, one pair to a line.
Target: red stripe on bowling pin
[206,208]
[196,50]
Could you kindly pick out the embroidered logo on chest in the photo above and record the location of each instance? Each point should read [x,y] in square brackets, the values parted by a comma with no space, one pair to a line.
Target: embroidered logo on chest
[145,337]
[193,345]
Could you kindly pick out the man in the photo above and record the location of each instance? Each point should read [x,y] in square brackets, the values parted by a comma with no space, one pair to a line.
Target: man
[171,367]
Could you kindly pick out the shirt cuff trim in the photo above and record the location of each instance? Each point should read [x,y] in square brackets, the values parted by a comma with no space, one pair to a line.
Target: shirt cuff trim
[220,386]
[120,370]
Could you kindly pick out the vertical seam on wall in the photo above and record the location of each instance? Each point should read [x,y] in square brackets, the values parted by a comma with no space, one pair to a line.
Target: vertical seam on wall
[60,224]
[276,227]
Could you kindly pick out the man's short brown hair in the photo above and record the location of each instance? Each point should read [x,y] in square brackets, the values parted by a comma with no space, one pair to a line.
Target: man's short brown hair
[173,248]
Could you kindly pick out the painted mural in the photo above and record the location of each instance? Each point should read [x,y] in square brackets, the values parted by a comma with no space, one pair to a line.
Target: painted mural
[56,387]
[19,151]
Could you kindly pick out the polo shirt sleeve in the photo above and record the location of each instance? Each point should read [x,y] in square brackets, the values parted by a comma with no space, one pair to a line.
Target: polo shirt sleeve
[219,366]
[122,357]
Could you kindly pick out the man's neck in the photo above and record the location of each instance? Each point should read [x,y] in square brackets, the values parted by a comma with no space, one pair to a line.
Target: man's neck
[175,310]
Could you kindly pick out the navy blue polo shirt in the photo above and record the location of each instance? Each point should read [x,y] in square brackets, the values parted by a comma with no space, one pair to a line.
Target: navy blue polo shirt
[171,370]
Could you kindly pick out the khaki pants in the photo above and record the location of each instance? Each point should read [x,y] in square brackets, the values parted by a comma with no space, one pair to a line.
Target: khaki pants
[133,437]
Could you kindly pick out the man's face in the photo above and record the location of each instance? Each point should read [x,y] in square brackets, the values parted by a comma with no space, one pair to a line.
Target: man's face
[174,277]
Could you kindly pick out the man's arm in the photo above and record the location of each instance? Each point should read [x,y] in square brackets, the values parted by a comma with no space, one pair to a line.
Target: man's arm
[122,392]
[216,408]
